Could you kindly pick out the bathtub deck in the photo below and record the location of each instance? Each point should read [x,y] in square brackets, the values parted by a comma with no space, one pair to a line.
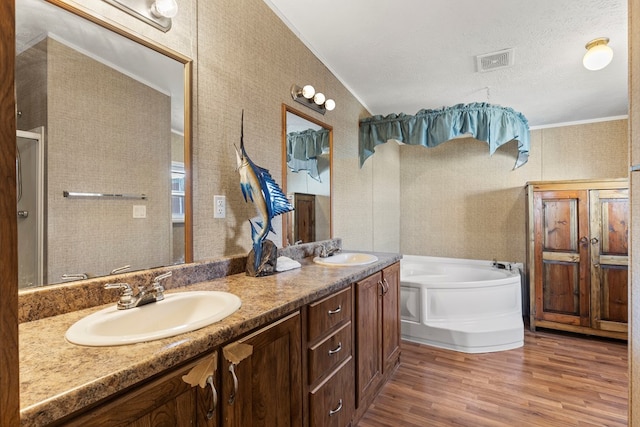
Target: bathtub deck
[554,380]
[498,333]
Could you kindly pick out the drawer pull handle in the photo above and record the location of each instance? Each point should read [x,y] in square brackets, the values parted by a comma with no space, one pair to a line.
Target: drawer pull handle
[336,311]
[232,398]
[214,396]
[338,409]
[336,350]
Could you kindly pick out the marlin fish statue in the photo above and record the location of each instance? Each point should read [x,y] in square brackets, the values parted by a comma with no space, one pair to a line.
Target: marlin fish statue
[258,186]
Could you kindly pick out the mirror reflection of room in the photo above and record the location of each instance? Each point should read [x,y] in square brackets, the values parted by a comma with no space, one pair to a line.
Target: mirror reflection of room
[107,183]
[308,179]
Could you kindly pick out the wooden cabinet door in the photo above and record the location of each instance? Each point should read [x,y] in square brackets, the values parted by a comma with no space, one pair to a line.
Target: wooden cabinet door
[166,401]
[609,259]
[390,316]
[368,335]
[269,381]
[561,247]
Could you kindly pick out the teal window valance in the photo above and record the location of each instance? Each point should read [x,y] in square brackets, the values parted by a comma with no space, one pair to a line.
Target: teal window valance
[303,149]
[490,123]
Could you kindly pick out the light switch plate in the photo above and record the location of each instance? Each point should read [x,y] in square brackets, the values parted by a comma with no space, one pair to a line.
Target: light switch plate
[139,211]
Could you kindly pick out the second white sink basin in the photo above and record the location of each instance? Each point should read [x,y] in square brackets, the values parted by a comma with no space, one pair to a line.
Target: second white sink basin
[346,259]
[176,314]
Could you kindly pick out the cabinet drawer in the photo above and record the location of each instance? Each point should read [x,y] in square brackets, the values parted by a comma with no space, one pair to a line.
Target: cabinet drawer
[331,403]
[329,312]
[328,353]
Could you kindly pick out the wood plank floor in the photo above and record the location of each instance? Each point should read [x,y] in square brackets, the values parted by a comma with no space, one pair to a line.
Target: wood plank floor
[554,380]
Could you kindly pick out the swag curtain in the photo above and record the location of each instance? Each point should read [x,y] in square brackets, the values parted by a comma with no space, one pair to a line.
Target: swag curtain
[304,147]
[490,123]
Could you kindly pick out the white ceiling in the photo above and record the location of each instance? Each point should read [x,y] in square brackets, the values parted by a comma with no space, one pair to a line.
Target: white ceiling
[406,55]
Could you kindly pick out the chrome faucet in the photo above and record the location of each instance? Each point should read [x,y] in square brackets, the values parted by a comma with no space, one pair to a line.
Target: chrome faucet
[328,251]
[500,265]
[146,294]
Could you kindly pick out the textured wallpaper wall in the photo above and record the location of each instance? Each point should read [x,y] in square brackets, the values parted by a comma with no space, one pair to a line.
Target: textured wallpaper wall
[248,59]
[453,200]
[95,236]
[456,201]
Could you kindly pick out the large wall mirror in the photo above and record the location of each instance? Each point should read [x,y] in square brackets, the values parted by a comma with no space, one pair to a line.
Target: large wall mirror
[103,148]
[306,158]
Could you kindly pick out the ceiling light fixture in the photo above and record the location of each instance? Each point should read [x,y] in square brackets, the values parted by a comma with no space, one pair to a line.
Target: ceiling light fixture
[598,55]
[308,96]
[156,13]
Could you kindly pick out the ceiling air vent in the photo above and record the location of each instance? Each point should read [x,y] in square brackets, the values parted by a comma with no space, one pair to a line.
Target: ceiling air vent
[494,61]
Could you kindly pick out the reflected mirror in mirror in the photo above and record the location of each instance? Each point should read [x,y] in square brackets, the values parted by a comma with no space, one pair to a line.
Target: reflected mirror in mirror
[101,168]
[306,146]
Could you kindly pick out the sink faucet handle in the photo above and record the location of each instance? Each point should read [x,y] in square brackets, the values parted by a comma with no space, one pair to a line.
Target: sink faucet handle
[166,275]
[126,294]
[120,269]
[158,289]
[126,288]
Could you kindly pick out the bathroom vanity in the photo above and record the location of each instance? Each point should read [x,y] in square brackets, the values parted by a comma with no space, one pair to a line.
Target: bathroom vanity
[299,351]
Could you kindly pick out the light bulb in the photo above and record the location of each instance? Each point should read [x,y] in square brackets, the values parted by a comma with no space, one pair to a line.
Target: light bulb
[165,8]
[308,91]
[319,98]
[329,104]
[598,55]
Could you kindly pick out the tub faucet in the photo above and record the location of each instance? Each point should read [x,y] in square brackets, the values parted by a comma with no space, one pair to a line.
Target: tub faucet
[501,266]
[146,294]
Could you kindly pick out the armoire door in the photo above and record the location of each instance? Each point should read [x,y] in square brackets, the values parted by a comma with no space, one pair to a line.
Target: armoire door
[609,259]
[561,241]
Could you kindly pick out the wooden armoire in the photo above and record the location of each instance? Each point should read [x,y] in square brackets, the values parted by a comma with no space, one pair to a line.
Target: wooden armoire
[577,256]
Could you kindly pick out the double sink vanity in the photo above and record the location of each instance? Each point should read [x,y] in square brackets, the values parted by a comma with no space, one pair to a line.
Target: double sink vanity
[310,346]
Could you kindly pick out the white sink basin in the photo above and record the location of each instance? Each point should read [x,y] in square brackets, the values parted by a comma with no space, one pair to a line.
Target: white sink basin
[176,314]
[346,259]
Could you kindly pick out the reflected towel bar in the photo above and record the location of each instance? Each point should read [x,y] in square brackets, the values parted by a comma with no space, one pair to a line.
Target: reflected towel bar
[105,195]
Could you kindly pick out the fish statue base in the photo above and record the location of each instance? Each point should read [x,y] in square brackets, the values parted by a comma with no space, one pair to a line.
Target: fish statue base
[268,260]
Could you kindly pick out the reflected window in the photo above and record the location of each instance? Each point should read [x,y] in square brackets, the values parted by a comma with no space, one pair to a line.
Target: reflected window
[177,191]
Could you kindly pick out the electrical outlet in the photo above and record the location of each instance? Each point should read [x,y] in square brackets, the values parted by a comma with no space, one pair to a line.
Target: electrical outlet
[219,207]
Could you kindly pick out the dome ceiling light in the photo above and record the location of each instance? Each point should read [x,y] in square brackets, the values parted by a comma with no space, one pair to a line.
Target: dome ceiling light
[598,55]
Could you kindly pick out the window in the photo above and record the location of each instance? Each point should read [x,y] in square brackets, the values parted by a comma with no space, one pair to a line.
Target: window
[177,191]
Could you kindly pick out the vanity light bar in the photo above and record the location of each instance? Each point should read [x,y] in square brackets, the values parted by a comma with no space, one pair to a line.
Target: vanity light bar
[140,9]
[308,97]
[104,195]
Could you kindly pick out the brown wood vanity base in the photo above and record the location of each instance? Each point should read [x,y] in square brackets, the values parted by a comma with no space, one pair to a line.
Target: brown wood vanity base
[292,355]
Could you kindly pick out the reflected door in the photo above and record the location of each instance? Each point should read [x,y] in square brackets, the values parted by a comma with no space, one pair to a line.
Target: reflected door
[305,218]
[29,165]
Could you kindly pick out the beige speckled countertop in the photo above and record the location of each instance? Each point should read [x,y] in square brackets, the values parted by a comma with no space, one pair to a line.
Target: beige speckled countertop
[58,378]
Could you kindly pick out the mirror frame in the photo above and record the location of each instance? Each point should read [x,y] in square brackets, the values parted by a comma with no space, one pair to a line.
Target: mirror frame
[187,80]
[285,218]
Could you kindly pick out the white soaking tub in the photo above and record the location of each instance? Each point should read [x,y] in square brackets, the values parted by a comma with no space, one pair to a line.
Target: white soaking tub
[470,306]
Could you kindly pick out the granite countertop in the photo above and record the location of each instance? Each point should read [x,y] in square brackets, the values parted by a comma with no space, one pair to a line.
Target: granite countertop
[58,378]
